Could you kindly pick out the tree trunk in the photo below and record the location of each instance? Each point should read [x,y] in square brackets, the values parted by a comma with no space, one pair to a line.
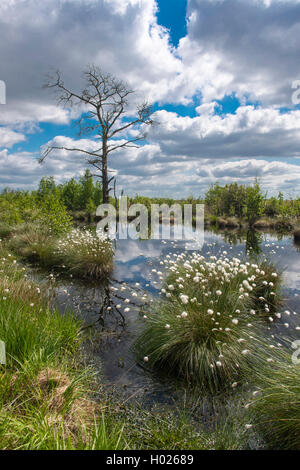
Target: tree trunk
[105,184]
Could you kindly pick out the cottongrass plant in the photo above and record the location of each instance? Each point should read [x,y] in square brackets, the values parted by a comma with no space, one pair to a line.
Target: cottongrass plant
[78,252]
[205,327]
[86,254]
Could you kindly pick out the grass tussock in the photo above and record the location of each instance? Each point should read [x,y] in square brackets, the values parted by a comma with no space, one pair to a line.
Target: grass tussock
[78,252]
[205,329]
[33,244]
[278,223]
[86,254]
[275,405]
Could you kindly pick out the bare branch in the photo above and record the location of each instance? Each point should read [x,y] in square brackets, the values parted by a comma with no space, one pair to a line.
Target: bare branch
[67,96]
[54,147]
[128,143]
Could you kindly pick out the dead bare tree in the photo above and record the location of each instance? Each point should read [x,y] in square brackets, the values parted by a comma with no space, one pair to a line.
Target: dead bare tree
[106,103]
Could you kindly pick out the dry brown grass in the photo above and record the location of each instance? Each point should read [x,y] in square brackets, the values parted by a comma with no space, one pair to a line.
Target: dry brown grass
[63,402]
[22,290]
[53,386]
[33,244]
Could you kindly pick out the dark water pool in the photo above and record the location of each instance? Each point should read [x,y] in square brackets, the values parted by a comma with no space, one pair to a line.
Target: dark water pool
[115,313]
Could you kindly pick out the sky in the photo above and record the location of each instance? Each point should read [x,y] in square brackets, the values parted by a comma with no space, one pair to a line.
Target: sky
[218,72]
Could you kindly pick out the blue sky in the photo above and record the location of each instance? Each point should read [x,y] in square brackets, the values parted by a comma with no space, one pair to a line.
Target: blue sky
[173,17]
[219,73]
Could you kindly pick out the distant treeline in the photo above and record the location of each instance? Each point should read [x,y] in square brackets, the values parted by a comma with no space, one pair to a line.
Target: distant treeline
[51,203]
[58,199]
[85,194]
[234,200]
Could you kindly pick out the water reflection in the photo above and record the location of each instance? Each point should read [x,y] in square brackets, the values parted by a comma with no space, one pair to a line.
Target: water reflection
[297,245]
[253,242]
